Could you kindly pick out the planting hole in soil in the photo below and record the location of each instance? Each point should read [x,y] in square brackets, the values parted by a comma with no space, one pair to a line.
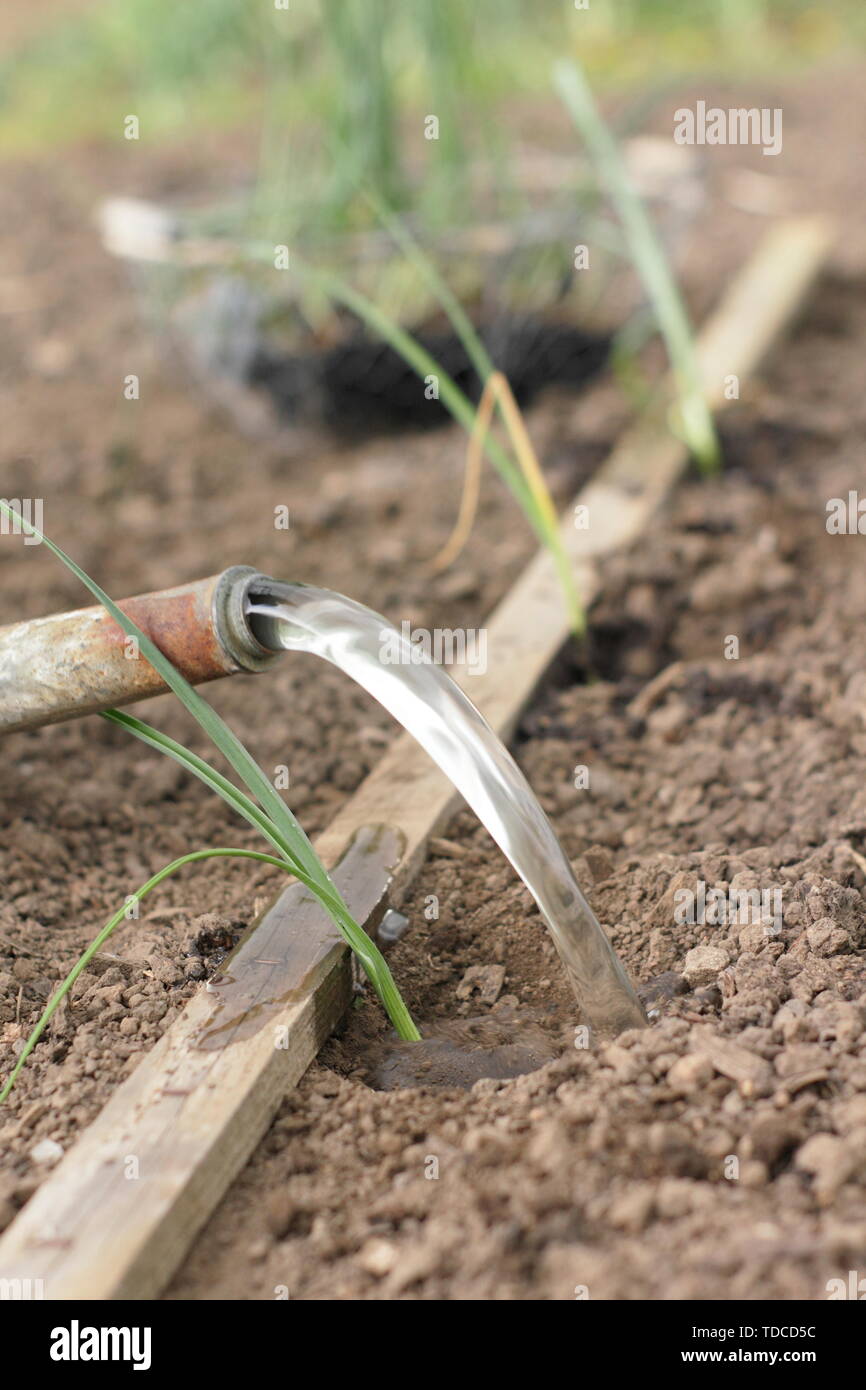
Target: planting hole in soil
[504,1043]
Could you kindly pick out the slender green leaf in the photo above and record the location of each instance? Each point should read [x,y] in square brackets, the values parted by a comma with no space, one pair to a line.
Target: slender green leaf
[439,288]
[368,953]
[462,410]
[120,915]
[484,365]
[695,419]
[424,364]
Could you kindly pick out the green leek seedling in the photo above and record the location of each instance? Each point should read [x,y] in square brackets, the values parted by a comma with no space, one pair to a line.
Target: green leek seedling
[264,809]
[695,420]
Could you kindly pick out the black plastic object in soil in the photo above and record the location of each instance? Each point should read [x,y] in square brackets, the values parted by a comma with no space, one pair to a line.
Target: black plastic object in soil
[364,384]
[359,384]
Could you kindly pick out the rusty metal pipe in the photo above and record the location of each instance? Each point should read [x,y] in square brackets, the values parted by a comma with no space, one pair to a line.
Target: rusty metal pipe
[70,664]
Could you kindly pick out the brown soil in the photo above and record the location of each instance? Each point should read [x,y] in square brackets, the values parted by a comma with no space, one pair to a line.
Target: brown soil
[611,1169]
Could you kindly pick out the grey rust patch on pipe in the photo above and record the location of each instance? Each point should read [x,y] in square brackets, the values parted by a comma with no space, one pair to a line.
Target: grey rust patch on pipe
[277,958]
[71,664]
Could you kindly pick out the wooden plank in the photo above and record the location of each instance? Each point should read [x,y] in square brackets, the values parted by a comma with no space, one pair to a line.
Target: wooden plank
[188,1118]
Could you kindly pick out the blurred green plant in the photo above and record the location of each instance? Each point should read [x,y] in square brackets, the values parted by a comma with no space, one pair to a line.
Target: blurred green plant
[189,67]
[694,420]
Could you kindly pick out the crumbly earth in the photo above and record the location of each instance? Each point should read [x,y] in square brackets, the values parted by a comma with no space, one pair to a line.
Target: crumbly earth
[720,1153]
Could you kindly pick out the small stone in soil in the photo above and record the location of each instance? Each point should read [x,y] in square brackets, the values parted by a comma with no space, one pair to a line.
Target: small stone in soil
[484,980]
[704,964]
[378,1257]
[392,927]
[46,1151]
[445,849]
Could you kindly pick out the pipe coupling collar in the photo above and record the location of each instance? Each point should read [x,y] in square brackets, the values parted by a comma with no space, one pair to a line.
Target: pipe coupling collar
[230,620]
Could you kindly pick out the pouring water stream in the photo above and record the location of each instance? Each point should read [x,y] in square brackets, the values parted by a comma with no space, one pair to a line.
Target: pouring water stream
[431,706]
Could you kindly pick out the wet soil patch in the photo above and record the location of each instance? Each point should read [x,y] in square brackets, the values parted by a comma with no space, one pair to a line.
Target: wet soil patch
[454,1054]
